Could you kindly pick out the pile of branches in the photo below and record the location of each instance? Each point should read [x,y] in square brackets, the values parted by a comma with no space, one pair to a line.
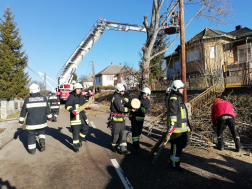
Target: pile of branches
[203,135]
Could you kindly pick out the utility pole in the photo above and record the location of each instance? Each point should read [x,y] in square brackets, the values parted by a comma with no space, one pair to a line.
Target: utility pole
[94,75]
[182,44]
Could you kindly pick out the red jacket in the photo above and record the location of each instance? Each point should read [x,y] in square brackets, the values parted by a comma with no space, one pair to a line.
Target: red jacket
[221,107]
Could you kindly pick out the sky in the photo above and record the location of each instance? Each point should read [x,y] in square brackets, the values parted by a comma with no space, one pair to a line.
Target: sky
[52,30]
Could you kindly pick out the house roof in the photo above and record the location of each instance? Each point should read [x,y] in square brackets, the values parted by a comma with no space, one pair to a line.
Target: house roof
[89,78]
[210,33]
[114,69]
[243,32]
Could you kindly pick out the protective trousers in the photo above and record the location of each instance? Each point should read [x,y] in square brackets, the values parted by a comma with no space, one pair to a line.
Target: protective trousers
[136,129]
[79,134]
[221,123]
[31,135]
[118,133]
[55,112]
[178,142]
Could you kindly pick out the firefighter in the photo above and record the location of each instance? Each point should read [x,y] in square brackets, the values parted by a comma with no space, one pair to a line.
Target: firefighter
[222,113]
[177,116]
[38,112]
[87,97]
[54,103]
[168,91]
[136,117]
[78,120]
[118,111]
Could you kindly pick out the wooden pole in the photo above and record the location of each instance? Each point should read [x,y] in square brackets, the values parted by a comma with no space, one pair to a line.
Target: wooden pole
[182,44]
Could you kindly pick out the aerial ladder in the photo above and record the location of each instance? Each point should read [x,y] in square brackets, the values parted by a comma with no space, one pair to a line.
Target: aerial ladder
[65,75]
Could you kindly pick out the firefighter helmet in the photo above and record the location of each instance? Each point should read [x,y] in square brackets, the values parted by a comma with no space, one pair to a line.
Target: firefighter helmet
[177,84]
[146,90]
[120,87]
[168,90]
[78,86]
[34,88]
[89,91]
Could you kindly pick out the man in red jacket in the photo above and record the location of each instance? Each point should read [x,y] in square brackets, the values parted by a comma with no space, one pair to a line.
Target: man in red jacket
[222,113]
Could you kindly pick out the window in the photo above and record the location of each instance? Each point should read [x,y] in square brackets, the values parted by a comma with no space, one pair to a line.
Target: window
[110,78]
[177,68]
[212,52]
[193,55]
[242,55]
[100,79]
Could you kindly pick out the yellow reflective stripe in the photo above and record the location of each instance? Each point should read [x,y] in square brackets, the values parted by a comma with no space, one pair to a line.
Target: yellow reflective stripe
[173,120]
[113,144]
[33,127]
[117,119]
[83,136]
[21,119]
[35,105]
[126,109]
[87,121]
[123,144]
[75,122]
[183,125]
[49,116]
[32,146]
[41,136]
[182,113]
[68,108]
[52,97]
[173,98]
[144,111]
[181,131]
[126,99]
[75,141]
[139,117]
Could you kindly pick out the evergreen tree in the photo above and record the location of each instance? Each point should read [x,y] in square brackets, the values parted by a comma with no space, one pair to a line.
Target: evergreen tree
[156,70]
[13,80]
[75,77]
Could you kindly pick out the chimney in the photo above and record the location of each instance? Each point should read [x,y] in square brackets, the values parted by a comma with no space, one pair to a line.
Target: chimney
[238,27]
[111,63]
[120,63]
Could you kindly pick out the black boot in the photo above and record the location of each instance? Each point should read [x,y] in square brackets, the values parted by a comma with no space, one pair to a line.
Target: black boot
[115,149]
[220,145]
[136,150]
[76,150]
[237,144]
[125,152]
[42,146]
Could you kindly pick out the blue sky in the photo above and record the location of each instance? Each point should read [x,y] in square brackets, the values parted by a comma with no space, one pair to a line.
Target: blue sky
[51,31]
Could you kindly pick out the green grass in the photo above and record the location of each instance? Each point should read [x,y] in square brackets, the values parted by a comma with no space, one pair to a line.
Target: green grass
[14,115]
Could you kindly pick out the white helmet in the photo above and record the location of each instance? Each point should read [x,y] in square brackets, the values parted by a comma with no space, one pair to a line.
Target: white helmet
[53,91]
[177,84]
[78,86]
[89,91]
[34,88]
[168,90]
[146,90]
[120,87]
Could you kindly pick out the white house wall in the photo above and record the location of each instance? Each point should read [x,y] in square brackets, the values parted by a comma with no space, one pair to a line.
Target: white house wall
[87,84]
[106,81]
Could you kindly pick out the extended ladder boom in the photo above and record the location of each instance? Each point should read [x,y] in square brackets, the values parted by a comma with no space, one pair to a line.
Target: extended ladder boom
[87,43]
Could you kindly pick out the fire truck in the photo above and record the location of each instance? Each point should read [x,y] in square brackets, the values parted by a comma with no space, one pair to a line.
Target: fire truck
[65,75]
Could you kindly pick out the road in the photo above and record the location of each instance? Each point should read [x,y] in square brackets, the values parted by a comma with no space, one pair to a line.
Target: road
[95,165]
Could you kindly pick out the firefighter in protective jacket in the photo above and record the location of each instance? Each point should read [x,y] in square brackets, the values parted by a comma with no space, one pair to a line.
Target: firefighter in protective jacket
[118,120]
[54,103]
[78,120]
[136,117]
[38,112]
[177,116]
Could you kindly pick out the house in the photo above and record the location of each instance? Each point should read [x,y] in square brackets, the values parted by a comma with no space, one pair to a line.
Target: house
[210,49]
[88,81]
[114,74]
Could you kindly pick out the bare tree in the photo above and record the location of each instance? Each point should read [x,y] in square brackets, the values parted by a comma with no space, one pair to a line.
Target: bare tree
[81,78]
[212,10]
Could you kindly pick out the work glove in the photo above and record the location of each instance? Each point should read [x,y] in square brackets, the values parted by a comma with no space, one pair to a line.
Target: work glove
[75,112]
[172,123]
